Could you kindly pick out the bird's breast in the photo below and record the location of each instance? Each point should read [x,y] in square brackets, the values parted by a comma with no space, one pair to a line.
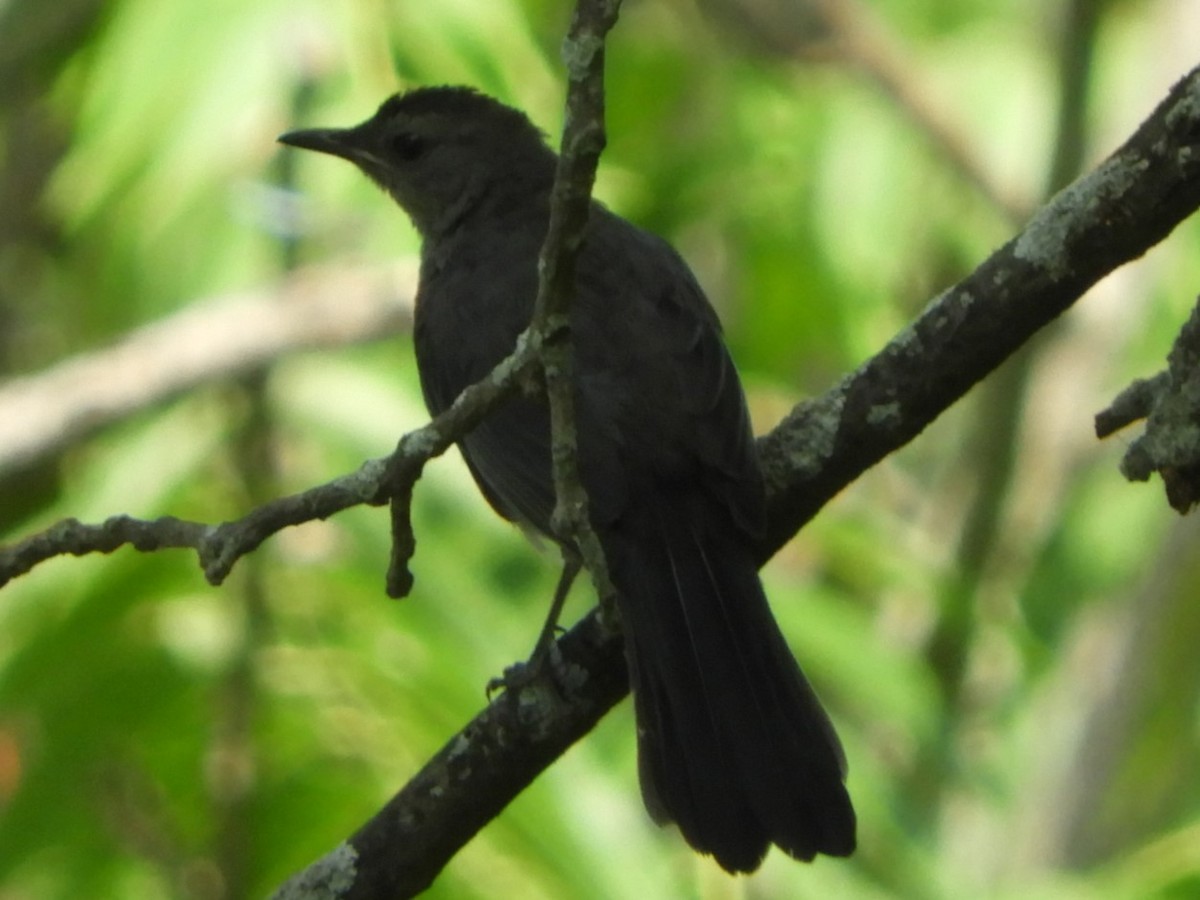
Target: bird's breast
[471,307]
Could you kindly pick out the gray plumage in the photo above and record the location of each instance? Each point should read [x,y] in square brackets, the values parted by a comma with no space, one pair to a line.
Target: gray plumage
[733,745]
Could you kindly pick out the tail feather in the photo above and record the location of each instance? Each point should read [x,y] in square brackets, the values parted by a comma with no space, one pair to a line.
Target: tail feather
[733,744]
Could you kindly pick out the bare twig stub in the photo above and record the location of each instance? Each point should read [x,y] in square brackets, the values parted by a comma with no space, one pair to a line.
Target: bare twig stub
[1170,404]
[416,448]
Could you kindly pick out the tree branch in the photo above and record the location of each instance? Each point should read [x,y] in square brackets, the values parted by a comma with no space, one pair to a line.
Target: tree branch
[219,547]
[1170,403]
[583,141]
[1103,220]
[210,340]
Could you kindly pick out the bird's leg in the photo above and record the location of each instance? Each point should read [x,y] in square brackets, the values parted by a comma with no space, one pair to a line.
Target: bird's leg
[521,674]
[571,566]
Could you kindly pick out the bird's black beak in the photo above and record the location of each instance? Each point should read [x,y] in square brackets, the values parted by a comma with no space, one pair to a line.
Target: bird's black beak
[343,142]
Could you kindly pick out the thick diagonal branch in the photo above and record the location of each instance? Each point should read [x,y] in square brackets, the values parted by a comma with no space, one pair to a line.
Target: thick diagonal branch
[1115,214]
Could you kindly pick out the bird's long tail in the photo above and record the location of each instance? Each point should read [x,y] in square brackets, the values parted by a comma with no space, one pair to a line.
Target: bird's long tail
[733,744]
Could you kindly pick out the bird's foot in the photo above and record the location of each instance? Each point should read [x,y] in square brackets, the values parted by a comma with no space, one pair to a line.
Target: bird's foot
[541,667]
[545,662]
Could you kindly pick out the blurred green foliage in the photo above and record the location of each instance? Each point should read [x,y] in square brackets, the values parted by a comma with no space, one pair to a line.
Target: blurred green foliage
[1019,711]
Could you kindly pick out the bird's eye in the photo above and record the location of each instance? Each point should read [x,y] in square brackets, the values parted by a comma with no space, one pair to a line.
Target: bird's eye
[408,146]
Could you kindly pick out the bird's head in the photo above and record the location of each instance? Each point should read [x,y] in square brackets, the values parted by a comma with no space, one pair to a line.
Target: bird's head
[439,151]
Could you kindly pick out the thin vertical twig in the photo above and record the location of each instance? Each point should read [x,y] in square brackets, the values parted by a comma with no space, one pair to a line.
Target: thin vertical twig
[582,143]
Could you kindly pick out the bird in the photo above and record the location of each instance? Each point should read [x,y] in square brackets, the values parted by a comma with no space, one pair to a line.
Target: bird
[733,744]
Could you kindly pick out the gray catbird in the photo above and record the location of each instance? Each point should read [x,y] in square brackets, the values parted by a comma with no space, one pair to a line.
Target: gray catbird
[732,742]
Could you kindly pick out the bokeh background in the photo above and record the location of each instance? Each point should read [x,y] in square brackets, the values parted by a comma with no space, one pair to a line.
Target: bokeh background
[1003,629]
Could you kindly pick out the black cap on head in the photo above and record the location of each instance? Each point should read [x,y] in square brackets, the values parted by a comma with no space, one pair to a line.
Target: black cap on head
[437,150]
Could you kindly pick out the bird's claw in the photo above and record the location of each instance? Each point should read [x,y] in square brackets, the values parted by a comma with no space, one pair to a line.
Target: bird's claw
[541,667]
